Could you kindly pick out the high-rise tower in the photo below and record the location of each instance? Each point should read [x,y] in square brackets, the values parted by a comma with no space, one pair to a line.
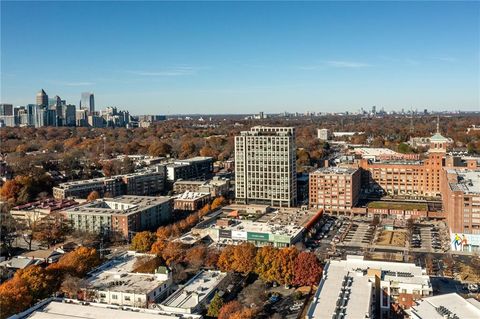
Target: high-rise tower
[42,98]
[265,166]
[88,102]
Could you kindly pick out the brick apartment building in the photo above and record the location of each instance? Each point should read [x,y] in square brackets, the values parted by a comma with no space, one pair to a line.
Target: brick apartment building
[334,188]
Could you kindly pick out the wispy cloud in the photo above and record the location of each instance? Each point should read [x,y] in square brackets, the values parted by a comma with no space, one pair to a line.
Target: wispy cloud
[172,71]
[412,61]
[335,64]
[78,83]
[347,64]
[445,59]
[69,83]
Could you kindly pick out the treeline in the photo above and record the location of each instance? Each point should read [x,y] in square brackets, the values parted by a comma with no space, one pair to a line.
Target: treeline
[35,283]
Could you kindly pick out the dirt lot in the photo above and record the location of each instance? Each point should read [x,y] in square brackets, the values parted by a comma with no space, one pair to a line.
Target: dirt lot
[392,238]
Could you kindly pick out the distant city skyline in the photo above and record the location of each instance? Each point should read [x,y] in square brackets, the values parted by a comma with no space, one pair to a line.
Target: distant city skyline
[232,57]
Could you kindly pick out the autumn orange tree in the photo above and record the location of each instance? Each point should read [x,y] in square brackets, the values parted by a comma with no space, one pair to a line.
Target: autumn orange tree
[265,263]
[93,196]
[235,310]
[14,297]
[284,265]
[240,258]
[40,282]
[35,283]
[143,241]
[218,202]
[77,263]
[226,258]
[307,269]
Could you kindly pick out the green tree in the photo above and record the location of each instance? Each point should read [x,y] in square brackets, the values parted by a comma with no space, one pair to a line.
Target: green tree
[143,241]
[215,305]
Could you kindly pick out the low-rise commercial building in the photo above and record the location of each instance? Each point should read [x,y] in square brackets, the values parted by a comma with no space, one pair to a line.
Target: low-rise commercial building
[216,187]
[75,309]
[124,215]
[191,201]
[119,282]
[195,294]
[446,306]
[144,183]
[334,188]
[358,288]
[259,225]
[37,210]
[200,167]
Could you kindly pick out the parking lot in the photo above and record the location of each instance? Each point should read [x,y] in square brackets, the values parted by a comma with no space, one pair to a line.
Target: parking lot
[429,237]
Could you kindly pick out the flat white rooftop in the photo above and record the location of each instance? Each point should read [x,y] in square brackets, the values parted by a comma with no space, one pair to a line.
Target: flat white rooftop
[117,275]
[438,307]
[351,274]
[265,227]
[195,290]
[467,181]
[191,195]
[336,276]
[63,310]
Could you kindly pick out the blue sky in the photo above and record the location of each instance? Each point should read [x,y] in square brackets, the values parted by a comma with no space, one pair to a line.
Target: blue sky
[232,57]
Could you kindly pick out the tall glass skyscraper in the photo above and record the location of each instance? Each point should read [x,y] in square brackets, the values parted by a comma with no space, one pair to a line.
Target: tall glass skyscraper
[87,102]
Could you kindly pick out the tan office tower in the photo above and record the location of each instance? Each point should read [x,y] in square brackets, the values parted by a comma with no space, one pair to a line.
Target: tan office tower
[42,98]
[265,166]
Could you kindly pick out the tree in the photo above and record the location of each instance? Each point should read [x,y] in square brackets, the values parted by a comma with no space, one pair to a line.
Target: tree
[14,297]
[71,285]
[143,241]
[40,282]
[93,196]
[9,191]
[77,262]
[147,264]
[404,148]
[128,166]
[265,263]
[218,202]
[195,256]
[205,210]
[8,227]
[307,269]
[244,258]
[159,149]
[226,259]
[284,265]
[50,230]
[234,310]
[157,247]
[215,306]
[229,309]
[173,252]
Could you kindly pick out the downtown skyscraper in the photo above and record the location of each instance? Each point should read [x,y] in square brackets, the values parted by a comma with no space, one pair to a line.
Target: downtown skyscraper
[87,102]
[265,166]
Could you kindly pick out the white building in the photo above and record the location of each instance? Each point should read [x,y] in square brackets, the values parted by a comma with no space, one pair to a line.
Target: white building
[265,166]
[323,134]
[117,283]
[196,293]
[446,306]
[358,288]
[67,308]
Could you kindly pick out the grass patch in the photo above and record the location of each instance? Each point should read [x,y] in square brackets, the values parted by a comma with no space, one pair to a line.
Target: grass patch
[398,205]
